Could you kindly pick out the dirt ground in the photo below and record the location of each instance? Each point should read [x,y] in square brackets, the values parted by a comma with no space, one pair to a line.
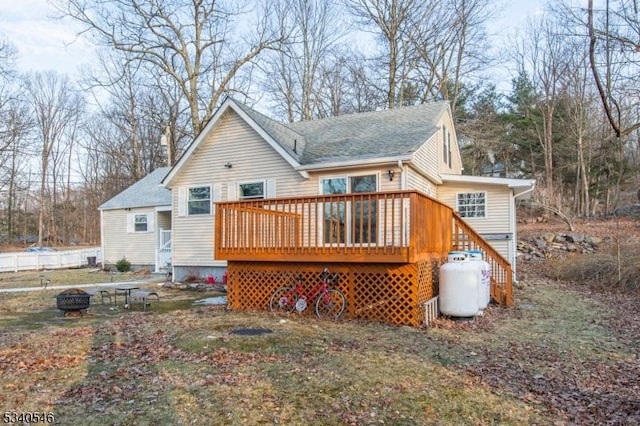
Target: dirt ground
[566,354]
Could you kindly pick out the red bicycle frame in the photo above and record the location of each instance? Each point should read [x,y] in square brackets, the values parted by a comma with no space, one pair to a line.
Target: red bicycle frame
[299,292]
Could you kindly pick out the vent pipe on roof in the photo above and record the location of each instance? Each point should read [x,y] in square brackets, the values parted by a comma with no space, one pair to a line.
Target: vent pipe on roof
[295,146]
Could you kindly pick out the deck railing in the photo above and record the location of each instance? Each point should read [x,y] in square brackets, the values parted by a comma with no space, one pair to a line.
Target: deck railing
[381,227]
[399,226]
[465,238]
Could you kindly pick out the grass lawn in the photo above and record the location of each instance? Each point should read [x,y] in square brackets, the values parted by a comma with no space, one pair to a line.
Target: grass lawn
[564,355]
[64,277]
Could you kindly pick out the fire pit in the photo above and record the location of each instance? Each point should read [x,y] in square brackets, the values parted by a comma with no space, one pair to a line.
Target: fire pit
[73,300]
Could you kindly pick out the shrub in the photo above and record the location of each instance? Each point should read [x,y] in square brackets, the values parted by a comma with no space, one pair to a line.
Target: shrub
[192,276]
[123,265]
[600,271]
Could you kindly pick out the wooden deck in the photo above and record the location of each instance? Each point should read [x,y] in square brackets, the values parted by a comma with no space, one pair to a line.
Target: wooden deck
[401,227]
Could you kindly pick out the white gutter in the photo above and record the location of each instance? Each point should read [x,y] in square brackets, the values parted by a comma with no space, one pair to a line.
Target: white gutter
[352,164]
[525,192]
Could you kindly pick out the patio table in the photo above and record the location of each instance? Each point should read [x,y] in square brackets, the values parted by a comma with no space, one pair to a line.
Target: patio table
[125,289]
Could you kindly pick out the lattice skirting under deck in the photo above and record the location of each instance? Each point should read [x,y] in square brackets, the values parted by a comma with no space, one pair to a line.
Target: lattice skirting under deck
[392,293]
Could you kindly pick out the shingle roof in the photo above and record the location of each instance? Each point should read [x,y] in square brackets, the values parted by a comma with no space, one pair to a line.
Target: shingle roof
[347,139]
[386,133]
[376,134]
[147,192]
[292,141]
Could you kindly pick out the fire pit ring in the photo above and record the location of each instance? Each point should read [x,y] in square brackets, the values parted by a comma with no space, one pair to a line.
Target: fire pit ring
[73,300]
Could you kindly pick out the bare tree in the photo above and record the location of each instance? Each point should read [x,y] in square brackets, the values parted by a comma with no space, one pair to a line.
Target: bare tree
[580,111]
[57,108]
[615,61]
[394,22]
[293,73]
[8,55]
[451,45]
[15,126]
[545,52]
[608,34]
[198,43]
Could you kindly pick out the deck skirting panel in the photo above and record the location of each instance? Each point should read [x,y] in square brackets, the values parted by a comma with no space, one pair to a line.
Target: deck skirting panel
[394,293]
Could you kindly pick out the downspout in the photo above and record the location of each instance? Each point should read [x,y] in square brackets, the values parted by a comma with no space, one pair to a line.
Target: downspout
[403,176]
[514,243]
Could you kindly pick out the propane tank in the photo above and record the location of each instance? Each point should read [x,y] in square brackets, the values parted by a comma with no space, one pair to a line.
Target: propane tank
[484,289]
[458,287]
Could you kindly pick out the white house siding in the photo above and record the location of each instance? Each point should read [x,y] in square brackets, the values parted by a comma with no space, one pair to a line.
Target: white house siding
[163,219]
[499,214]
[251,158]
[137,247]
[428,157]
[418,181]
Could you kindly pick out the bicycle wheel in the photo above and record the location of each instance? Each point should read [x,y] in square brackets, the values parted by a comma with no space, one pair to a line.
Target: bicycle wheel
[283,300]
[331,304]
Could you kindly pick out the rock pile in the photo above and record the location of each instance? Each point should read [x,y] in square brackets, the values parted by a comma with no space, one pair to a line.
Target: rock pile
[544,246]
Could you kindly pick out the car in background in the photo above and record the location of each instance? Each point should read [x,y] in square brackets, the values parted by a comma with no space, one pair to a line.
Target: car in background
[39,249]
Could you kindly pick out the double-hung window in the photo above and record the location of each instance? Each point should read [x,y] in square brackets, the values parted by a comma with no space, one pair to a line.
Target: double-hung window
[472,204]
[199,200]
[140,223]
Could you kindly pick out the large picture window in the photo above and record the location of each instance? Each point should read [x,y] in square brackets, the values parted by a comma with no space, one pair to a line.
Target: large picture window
[199,201]
[472,204]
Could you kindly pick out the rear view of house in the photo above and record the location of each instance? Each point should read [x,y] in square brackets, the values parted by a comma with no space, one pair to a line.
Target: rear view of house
[377,194]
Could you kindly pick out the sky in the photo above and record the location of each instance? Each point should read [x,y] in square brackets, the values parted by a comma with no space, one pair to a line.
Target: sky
[43,43]
[47,44]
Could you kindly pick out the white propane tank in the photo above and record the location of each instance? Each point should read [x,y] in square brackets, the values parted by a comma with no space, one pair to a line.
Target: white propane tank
[457,256]
[484,289]
[459,286]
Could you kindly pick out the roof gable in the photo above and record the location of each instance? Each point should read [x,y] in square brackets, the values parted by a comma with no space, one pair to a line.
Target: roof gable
[267,128]
[147,192]
[347,139]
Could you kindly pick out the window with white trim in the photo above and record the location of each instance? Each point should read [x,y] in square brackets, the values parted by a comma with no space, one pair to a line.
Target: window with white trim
[199,200]
[251,190]
[472,204]
[140,223]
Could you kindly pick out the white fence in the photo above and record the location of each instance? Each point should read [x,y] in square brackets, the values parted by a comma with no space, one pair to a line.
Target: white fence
[26,261]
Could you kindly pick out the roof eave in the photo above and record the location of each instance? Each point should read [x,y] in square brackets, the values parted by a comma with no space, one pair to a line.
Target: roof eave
[345,164]
[519,186]
[154,206]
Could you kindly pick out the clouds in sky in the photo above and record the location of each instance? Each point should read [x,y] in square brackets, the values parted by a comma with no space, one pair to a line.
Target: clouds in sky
[42,43]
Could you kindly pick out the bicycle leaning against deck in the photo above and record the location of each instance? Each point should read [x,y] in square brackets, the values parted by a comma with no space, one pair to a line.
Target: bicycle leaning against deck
[329,301]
